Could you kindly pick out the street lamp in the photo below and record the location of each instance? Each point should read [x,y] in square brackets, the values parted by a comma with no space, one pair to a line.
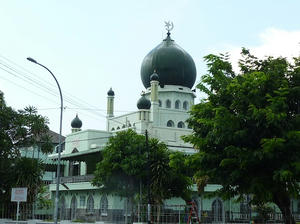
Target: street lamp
[59,140]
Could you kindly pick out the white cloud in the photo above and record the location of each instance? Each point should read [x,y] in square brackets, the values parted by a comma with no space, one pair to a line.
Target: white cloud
[274,42]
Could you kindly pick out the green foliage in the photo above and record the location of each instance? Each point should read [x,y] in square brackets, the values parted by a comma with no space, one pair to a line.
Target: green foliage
[127,162]
[263,211]
[123,164]
[42,201]
[247,130]
[19,129]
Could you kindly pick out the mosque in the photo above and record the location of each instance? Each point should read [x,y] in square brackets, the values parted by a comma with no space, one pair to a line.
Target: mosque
[168,74]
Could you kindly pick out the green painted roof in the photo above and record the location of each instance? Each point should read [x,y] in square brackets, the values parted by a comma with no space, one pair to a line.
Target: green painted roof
[143,103]
[76,122]
[173,65]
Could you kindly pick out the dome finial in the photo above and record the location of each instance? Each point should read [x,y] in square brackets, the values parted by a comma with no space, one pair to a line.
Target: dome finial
[169,26]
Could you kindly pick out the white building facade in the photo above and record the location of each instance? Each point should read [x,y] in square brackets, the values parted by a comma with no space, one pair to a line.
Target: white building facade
[168,74]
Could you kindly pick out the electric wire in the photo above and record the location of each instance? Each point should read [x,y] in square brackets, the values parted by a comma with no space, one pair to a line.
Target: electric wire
[38,84]
[46,85]
[44,97]
[16,73]
[25,88]
[51,89]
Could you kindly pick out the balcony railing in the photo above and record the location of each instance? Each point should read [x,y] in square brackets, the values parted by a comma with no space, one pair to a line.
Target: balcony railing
[75,179]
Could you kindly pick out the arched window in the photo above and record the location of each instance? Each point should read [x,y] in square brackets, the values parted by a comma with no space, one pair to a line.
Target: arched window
[62,208]
[113,129]
[90,204]
[217,210]
[159,103]
[180,124]
[185,105]
[170,123]
[73,207]
[104,205]
[177,104]
[118,128]
[168,104]
[123,126]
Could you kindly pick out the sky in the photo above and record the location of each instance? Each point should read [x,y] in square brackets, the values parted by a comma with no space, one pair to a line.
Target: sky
[94,45]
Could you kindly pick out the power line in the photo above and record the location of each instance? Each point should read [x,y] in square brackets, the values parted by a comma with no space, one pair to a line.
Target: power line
[37,84]
[25,87]
[40,85]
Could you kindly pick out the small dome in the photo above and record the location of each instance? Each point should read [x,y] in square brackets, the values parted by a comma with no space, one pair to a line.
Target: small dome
[154,76]
[173,64]
[76,122]
[143,103]
[110,92]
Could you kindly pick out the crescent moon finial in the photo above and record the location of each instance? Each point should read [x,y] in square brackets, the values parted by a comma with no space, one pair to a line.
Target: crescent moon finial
[169,26]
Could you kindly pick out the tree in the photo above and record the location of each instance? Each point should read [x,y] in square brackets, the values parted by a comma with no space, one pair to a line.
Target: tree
[123,159]
[247,129]
[18,129]
[124,165]
[170,176]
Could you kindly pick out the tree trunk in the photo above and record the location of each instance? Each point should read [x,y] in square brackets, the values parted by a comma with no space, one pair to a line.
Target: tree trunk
[283,202]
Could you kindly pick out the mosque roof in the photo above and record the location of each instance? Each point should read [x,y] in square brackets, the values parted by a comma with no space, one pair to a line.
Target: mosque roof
[171,62]
[143,103]
[76,122]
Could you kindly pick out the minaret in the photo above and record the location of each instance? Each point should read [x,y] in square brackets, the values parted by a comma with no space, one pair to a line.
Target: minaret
[110,102]
[76,124]
[110,107]
[154,98]
[144,105]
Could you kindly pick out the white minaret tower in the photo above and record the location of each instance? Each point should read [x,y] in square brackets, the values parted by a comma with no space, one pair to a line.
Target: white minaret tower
[76,124]
[143,105]
[110,106]
[110,102]
[154,98]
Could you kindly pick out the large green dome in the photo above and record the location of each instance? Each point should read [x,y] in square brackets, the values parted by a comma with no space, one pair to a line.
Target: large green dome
[172,63]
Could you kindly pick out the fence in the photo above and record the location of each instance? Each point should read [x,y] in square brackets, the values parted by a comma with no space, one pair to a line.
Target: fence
[159,214]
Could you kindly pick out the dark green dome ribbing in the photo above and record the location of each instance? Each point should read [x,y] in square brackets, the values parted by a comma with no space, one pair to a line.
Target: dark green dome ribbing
[173,64]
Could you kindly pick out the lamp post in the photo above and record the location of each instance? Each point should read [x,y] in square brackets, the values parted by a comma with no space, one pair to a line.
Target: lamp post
[59,139]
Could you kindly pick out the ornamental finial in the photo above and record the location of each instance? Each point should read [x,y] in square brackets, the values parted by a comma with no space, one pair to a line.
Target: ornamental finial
[169,26]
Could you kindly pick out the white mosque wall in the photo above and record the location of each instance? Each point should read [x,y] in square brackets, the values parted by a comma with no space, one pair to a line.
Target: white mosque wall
[73,187]
[123,121]
[84,140]
[171,136]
